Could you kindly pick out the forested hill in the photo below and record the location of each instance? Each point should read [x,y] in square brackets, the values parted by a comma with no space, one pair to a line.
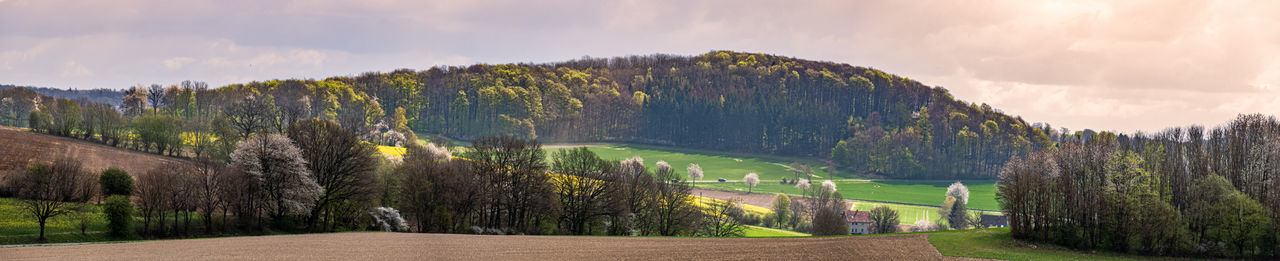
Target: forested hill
[864,119]
[107,96]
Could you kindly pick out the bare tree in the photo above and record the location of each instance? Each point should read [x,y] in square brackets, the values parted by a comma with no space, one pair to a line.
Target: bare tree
[721,220]
[340,163]
[153,189]
[249,116]
[155,96]
[583,184]
[513,172]
[206,185]
[51,190]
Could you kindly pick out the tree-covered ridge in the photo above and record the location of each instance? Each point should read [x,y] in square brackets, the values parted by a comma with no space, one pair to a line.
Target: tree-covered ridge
[107,96]
[864,119]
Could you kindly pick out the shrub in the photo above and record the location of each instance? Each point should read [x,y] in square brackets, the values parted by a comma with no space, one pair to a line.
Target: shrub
[389,219]
[119,212]
[924,226]
[116,182]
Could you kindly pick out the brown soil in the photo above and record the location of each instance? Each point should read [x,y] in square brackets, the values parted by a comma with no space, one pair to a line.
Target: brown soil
[409,246]
[20,149]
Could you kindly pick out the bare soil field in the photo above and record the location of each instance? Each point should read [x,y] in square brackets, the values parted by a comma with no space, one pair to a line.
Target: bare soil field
[398,246]
[19,149]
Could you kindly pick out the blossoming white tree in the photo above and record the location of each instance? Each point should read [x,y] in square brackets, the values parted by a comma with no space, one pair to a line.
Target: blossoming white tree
[751,179]
[959,191]
[281,172]
[695,173]
[803,185]
[828,186]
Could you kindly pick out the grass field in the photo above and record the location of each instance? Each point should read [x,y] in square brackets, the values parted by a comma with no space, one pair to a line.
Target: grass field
[772,169]
[929,193]
[714,164]
[995,243]
[754,231]
[17,228]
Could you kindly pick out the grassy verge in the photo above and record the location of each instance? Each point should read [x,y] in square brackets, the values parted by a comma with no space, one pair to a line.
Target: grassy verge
[996,243]
[19,228]
[754,231]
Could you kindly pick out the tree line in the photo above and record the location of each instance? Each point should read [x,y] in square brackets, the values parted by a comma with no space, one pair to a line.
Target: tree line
[1182,191]
[319,176]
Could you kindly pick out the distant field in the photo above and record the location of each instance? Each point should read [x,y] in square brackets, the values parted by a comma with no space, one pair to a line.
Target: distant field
[19,149]
[714,165]
[771,170]
[930,193]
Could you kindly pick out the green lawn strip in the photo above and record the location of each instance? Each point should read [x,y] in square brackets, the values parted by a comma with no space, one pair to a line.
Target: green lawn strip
[755,231]
[715,165]
[914,192]
[996,243]
[16,227]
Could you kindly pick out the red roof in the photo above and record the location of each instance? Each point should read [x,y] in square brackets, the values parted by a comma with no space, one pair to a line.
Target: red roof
[854,216]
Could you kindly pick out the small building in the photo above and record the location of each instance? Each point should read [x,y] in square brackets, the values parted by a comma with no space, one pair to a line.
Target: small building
[994,221]
[859,222]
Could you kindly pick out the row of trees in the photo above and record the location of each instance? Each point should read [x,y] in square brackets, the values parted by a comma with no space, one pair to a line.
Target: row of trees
[503,184]
[1181,191]
[191,120]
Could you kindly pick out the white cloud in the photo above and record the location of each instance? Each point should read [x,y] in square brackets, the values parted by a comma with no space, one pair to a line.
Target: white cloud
[177,62]
[73,69]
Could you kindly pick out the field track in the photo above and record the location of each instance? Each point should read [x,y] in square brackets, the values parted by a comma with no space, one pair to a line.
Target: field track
[411,246]
[19,149]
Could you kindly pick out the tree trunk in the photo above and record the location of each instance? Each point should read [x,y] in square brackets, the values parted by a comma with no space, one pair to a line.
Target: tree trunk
[42,222]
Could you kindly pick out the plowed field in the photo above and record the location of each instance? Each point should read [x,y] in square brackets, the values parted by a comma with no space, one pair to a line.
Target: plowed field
[408,246]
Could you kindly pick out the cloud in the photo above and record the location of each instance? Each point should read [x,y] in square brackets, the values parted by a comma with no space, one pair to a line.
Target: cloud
[1124,65]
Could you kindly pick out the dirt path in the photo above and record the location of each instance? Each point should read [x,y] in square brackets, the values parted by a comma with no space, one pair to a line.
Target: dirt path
[397,246]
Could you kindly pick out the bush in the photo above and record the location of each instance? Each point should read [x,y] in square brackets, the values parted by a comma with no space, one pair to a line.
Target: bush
[924,226]
[771,220]
[804,227]
[119,212]
[116,182]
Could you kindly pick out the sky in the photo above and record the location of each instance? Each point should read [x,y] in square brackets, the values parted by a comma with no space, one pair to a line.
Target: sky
[1106,65]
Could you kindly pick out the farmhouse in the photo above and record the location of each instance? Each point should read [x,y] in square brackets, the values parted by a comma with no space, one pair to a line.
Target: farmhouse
[859,222]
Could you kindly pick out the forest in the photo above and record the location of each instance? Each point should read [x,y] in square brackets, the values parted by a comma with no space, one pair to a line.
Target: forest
[866,121]
[1183,191]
